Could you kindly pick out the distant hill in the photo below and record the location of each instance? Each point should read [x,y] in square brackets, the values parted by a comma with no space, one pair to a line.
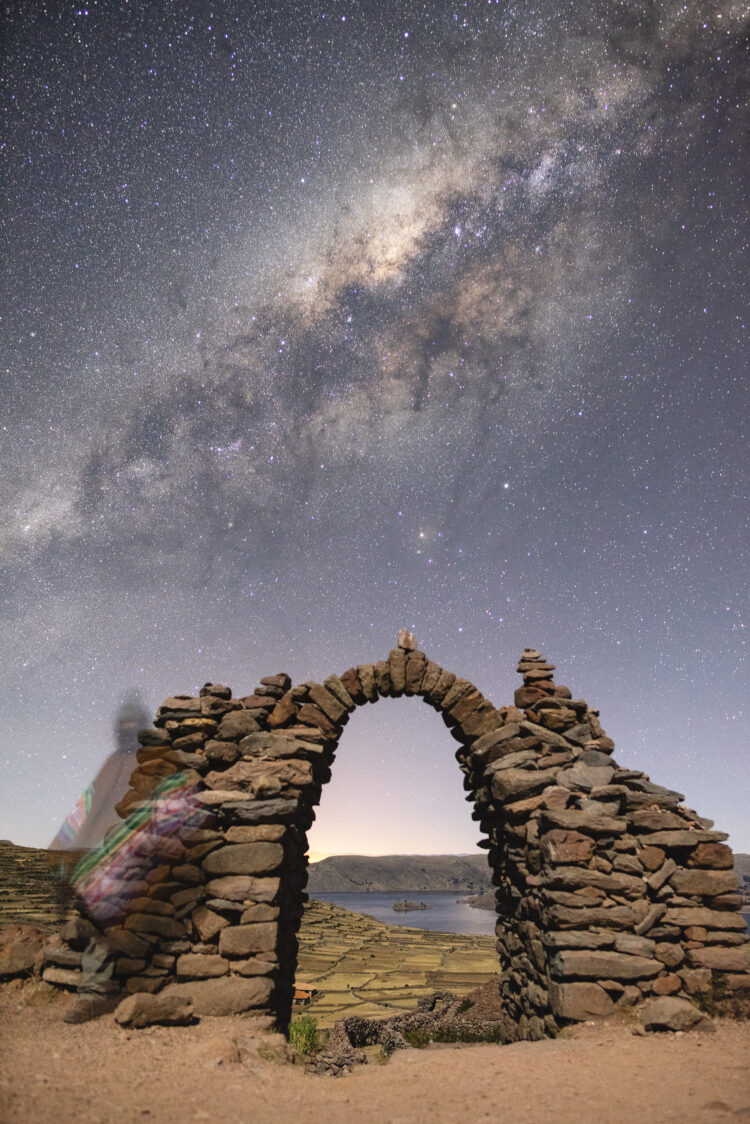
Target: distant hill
[356,873]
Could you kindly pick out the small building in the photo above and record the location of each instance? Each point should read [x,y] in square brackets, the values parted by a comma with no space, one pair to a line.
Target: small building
[303,995]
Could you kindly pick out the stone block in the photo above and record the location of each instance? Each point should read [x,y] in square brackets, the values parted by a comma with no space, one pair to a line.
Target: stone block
[182,897]
[311,715]
[695,979]
[352,685]
[633,944]
[255,966]
[127,943]
[19,947]
[706,918]
[720,959]
[276,744]
[466,705]
[510,761]
[441,688]
[197,966]
[611,917]
[397,670]
[284,808]
[141,1010]
[430,677]
[180,704]
[281,681]
[575,878]
[246,940]
[245,858]
[588,822]
[603,964]
[339,691]
[651,858]
[235,725]
[459,688]
[366,676]
[241,888]
[260,911]
[579,1001]
[526,696]
[668,984]
[151,923]
[415,669]
[284,712]
[713,856]
[225,752]
[662,875]
[332,707]
[669,1013]
[482,721]
[739,983]
[670,953]
[704,882]
[581,734]
[256,833]
[153,737]
[383,678]
[207,923]
[669,839]
[406,640]
[127,966]
[136,985]
[518,783]
[230,995]
[546,737]
[572,939]
[62,977]
[584,777]
[653,914]
[560,846]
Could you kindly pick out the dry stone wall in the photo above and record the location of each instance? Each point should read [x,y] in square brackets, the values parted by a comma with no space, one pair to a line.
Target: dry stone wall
[609,890]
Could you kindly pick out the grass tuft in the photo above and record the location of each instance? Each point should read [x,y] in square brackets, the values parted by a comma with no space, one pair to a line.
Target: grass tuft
[36,993]
[303,1034]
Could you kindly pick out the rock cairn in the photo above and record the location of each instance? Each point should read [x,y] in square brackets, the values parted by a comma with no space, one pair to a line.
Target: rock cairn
[609,890]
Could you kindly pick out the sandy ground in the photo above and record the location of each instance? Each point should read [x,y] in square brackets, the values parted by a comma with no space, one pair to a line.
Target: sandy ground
[213,1072]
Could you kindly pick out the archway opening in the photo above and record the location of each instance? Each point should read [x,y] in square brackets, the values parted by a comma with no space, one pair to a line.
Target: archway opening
[394,840]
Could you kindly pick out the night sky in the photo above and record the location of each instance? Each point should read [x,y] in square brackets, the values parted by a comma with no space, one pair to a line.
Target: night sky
[324,319]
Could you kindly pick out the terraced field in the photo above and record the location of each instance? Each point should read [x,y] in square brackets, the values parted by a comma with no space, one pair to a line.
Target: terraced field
[359,965]
[364,967]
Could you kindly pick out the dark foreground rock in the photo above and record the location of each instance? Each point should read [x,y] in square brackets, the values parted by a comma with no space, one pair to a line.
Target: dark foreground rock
[142,1010]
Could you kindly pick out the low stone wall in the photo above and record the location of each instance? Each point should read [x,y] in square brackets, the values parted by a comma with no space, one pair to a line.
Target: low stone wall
[609,890]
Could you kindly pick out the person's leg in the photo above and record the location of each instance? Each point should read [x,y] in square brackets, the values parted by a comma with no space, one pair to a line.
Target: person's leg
[97,991]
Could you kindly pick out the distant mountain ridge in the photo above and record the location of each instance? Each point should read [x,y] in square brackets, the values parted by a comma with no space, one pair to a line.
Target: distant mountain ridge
[463,873]
[358,873]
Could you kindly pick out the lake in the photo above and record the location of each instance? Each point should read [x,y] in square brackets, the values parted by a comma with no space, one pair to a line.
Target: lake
[447,915]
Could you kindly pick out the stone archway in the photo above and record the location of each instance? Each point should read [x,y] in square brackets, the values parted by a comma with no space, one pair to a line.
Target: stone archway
[608,888]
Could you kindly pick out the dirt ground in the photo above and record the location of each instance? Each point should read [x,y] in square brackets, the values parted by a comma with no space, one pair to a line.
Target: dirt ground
[220,1071]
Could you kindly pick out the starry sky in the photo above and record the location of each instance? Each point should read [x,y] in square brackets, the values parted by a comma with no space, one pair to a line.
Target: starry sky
[324,319]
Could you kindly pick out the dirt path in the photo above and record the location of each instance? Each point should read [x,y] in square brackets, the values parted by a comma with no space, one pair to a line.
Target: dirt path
[213,1072]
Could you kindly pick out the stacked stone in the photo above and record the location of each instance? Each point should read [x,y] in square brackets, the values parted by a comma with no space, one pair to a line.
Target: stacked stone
[609,888]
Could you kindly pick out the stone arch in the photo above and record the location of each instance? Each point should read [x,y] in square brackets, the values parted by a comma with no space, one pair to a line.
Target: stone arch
[608,889]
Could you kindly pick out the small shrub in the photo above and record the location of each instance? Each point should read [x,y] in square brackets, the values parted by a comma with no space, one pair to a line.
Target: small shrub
[37,993]
[303,1034]
[715,1001]
[466,1004]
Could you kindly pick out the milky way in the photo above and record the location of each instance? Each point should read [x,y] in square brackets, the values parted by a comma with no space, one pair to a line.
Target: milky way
[321,320]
